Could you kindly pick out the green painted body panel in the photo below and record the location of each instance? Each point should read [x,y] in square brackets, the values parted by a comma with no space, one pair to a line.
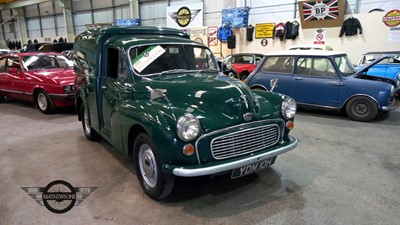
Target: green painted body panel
[219,102]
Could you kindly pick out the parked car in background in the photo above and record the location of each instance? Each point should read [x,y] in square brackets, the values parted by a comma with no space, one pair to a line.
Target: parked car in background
[68,53]
[43,78]
[5,51]
[387,63]
[311,47]
[243,63]
[326,79]
[48,47]
[226,68]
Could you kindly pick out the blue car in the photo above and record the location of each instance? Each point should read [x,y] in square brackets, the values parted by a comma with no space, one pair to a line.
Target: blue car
[326,79]
[386,63]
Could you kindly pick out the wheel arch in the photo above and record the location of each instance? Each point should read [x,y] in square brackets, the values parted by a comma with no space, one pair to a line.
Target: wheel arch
[255,86]
[361,95]
[134,132]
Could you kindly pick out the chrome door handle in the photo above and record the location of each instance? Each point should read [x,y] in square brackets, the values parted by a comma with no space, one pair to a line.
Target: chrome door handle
[298,78]
[104,87]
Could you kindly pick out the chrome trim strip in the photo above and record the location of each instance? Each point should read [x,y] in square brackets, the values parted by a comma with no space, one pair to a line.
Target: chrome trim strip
[331,107]
[16,92]
[187,172]
[258,86]
[227,128]
[61,95]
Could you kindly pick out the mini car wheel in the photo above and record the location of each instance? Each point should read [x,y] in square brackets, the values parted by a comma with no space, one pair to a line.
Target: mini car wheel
[90,133]
[154,182]
[244,75]
[44,103]
[361,109]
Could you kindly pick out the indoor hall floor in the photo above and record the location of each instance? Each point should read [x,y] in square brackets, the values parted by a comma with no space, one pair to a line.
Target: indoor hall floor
[342,172]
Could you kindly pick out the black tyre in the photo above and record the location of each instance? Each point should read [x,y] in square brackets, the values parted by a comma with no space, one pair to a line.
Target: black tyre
[244,75]
[361,109]
[90,133]
[44,103]
[154,182]
[2,98]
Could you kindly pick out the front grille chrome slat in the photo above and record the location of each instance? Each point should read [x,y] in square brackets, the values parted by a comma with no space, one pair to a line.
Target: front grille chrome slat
[245,141]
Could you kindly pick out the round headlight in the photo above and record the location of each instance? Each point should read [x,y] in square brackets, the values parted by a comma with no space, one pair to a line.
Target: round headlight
[289,108]
[229,64]
[188,127]
[392,90]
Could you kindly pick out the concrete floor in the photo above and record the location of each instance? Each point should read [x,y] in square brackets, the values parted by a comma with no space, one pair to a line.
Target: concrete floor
[343,172]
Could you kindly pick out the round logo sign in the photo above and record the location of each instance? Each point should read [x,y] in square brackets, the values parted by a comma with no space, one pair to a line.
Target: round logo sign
[183,16]
[59,196]
[224,33]
[392,18]
[320,10]
[264,42]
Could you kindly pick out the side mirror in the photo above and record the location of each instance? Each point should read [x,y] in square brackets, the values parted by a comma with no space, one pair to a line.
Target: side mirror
[12,70]
[273,83]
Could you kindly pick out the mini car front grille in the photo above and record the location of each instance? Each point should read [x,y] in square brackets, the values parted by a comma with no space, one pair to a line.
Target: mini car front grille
[245,141]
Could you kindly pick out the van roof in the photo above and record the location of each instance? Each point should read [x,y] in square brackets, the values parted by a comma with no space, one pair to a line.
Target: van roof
[139,30]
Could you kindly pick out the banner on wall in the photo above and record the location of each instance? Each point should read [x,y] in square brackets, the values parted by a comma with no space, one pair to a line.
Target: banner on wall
[321,10]
[185,16]
[321,13]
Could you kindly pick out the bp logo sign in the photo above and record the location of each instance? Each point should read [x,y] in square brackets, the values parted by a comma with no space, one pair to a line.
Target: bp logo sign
[392,18]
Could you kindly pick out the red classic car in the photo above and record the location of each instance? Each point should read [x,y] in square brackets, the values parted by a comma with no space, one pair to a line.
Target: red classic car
[44,78]
[244,63]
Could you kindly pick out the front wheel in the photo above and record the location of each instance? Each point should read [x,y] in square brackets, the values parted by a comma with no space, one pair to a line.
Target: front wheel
[244,75]
[2,98]
[361,109]
[154,182]
[44,103]
[90,133]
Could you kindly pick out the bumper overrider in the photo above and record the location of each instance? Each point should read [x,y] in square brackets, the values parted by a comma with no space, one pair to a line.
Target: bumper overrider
[393,105]
[226,165]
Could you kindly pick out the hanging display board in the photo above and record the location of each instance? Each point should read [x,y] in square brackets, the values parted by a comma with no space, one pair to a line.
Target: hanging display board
[321,13]
[265,30]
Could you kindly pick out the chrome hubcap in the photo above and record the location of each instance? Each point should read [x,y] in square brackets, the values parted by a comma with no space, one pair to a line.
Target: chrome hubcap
[361,108]
[42,101]
[148,166]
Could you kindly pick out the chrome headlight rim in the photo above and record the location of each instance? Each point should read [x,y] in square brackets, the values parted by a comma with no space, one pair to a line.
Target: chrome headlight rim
[289,108]
[188,127]
[68,88]
[392,91]
[228,64]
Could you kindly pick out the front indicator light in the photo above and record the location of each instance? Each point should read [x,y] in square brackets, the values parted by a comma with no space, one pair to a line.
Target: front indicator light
[188,150]
[289,125]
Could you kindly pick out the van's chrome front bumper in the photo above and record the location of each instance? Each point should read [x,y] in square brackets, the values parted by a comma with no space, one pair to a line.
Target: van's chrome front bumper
[209,170]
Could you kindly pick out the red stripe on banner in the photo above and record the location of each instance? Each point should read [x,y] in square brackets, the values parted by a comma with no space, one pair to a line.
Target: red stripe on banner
[307,11]
[333,8]
[308,5]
